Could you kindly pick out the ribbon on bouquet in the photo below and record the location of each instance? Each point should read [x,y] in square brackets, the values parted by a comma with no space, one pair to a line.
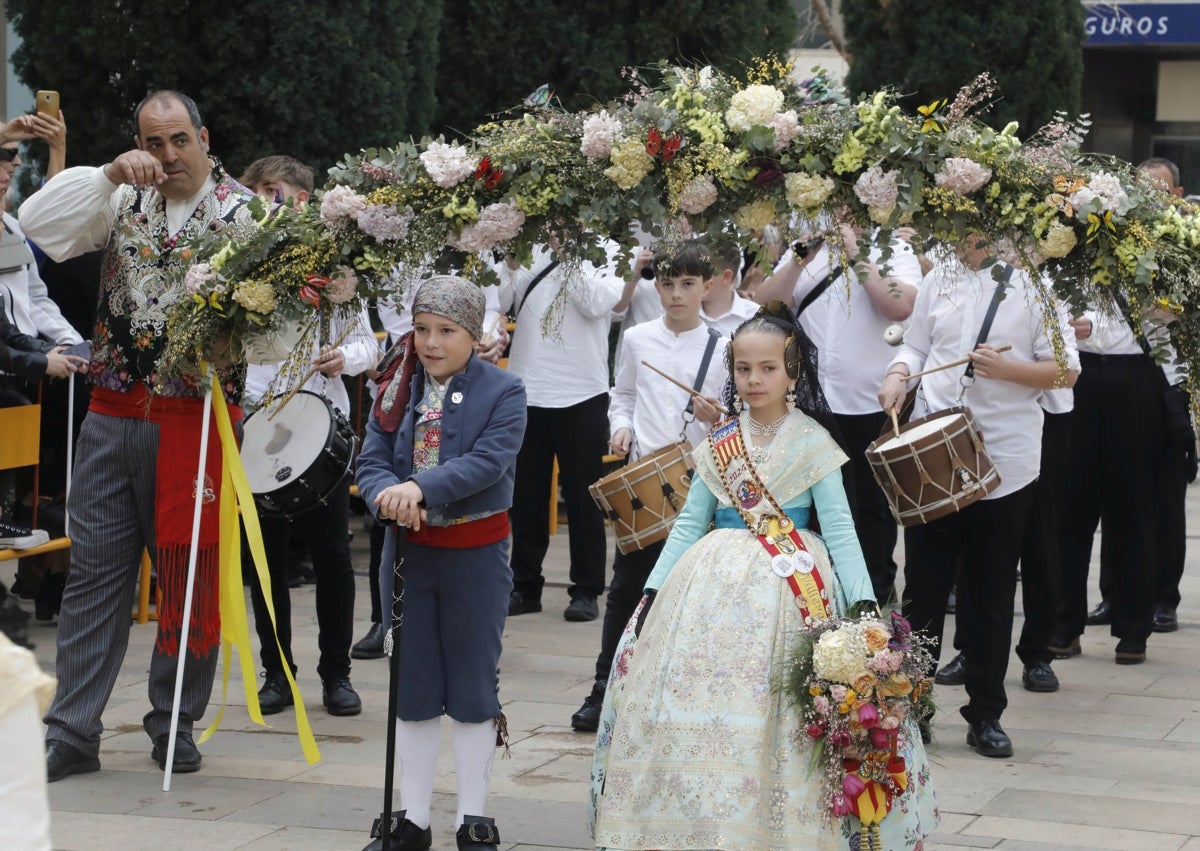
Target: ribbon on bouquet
[236,498]
[871,784]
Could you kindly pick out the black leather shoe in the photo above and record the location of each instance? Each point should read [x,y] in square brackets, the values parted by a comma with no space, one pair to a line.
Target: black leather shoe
[1039,677]
[587,718]
[1165,620]
[582,608]
[406,837]
[1101,615]
[988,738]
[952,673]
[1130,652]
[63,759]
[477,834]
[339,697]
[1063,649]
[187,755]
[275,694]
[521,604]
[371,646]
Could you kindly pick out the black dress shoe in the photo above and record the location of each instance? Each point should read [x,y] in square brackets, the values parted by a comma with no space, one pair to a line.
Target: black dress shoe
[988,738]
[1039,677]
[339,697]
[187,755]
[275,694]
[371,646]
[63,759]
[587,718]
[1101,615]
[406,837]
[582,608]
[1165,620]
[522,604]
[1062,649]
[477,834]
[953,673]
[1130,652]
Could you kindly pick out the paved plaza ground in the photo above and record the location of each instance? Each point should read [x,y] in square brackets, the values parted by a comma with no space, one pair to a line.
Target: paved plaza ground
[1112,761]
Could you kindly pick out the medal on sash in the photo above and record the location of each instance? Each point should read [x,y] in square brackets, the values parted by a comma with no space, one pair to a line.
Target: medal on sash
[790,559]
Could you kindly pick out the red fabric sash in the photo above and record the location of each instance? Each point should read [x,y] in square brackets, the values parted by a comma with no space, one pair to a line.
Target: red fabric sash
[179,429]
[461,536]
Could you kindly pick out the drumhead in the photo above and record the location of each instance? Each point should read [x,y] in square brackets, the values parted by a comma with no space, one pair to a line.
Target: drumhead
[277,451]
[932,426]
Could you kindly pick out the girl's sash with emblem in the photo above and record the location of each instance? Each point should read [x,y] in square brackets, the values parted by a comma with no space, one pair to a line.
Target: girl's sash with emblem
[763,516]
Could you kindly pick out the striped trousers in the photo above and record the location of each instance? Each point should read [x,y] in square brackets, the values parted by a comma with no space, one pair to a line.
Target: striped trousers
[112,520]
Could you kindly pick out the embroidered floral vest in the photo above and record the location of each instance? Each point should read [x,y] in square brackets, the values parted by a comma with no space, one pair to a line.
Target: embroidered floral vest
[142,278]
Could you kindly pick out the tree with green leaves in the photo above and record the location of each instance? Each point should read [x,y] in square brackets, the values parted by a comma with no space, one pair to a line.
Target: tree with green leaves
[310,78]
[928,49]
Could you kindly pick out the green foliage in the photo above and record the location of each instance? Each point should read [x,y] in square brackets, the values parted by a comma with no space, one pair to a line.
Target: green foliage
[310,78]
[492,53]
[928,49]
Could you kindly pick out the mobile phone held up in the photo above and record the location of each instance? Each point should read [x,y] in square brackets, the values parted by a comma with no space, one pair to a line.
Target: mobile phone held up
[47,103]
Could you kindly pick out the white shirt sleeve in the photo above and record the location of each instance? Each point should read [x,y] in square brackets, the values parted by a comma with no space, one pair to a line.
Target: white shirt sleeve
[624,393]
[72,214]
[917,336]
[360,348]
[46,314]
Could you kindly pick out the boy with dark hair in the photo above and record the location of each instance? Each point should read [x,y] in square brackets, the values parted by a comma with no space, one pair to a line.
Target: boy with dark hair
[723,307]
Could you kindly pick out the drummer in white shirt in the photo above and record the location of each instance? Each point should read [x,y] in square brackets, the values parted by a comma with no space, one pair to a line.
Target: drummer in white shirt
[648,413]
[986,536]
[847,308]
[724,308]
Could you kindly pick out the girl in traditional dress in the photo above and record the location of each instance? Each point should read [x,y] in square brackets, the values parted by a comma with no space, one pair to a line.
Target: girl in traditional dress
[699,748]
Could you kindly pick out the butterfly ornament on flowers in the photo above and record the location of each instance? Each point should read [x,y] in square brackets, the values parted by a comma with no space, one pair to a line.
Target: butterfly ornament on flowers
[933,122]
[540,96]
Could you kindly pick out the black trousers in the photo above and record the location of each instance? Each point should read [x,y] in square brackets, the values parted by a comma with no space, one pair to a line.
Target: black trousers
[325,529]
[877,529]
[1041,572]
[987,536]
[1115,463]
[1172,527]
[577,435]
[629,575]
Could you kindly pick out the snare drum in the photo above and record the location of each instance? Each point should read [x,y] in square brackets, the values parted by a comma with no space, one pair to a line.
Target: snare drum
[642,498]
[934,466]
[295,460]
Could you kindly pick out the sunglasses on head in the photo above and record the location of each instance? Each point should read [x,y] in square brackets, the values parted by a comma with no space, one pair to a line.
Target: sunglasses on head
[7,155]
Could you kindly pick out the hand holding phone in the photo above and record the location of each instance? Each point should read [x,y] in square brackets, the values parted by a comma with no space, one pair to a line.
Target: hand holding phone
[47,103]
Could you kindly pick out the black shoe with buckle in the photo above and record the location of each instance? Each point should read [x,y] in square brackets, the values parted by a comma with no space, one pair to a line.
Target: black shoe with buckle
[477,834]
[1039,677]
[582,608]
[1101,615]
[371,646]
[405,836]
[587,718]
[187,755]
[63,760]
[953,673]
[275,694]
[988,738]
[339,697]
[523,604]
[1165,619]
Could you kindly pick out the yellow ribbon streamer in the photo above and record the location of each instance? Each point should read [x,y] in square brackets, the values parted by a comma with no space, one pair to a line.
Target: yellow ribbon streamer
[236,498]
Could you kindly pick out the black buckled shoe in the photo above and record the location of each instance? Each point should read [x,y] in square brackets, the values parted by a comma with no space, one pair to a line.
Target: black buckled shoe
[339,697]
[187,755]
[582,608]
[587,718]
[1101,615]
[1165,619]
[953,673]
[477,834]
[405,835]
[522,604]
[275,694]
[371,646]
[988,738]
[1040,678]
[63,760]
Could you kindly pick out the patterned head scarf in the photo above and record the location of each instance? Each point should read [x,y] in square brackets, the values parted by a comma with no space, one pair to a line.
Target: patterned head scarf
[453,298]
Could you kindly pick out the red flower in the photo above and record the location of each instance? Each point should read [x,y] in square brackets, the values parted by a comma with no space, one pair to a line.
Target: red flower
[671,147]
[654,142]
[318,281]
[485,165]
[310,295]
[493,178]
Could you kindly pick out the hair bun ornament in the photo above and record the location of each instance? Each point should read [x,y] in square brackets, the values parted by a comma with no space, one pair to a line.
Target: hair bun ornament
[776,309]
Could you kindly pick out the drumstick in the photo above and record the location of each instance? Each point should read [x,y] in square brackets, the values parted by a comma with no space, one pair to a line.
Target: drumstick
[952,364]
[491,329]
[691,390]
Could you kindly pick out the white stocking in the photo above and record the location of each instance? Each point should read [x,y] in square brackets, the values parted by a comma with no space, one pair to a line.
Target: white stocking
[416,758]
[474,749]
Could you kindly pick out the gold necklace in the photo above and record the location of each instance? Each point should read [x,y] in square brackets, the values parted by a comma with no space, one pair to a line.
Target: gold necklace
[758,429]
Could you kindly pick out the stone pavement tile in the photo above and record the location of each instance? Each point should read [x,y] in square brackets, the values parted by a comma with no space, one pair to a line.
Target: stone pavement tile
[1098,811]
[532,821]
[1148,704]
[98,832]
[304,838]
[1020,845]
[939,841]
[1192,844]
[557,780]
[317,806]
[1061,717]
[112,792]
[1115,757]
[1085,835]
[1187,731]
[1187,793]
[526,715]
[209,797]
